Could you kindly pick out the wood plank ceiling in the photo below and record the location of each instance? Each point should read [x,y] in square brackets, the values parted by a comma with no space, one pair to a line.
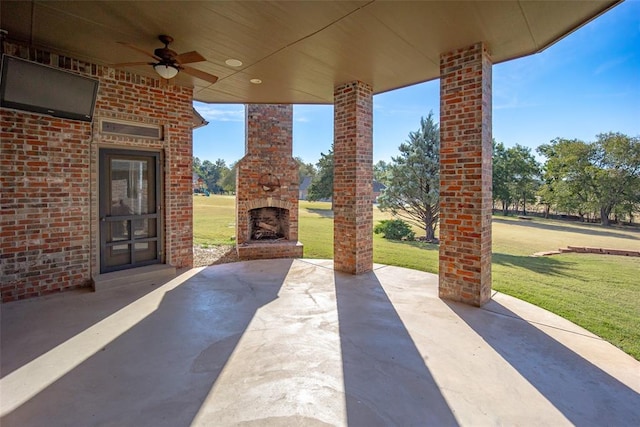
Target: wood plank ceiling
[301,49]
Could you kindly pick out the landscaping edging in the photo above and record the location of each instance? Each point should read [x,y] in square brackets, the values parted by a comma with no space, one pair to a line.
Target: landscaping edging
[590,250]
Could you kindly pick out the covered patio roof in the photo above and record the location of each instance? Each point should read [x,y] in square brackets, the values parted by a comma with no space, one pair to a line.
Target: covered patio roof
[300,50]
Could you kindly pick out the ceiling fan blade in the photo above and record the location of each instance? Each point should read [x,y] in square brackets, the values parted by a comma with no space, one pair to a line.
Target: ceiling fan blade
[189,57]
[200,74]
[129,64]
[142,51]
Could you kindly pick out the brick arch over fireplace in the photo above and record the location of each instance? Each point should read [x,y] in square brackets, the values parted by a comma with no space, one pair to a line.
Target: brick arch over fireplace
[271,202]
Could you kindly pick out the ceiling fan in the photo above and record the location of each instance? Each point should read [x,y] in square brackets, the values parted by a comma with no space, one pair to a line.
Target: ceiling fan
[169,62]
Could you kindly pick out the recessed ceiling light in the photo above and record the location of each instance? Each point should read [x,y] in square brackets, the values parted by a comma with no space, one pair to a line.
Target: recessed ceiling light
[233,62]
[256,81]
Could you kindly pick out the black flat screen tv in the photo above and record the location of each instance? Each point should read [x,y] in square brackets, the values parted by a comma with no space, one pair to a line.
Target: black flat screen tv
[38,88]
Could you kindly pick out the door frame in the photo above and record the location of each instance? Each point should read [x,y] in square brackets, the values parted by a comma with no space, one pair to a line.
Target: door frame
[104,198]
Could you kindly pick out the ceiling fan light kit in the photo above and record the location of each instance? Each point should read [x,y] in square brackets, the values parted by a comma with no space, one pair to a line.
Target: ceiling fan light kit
[166,71]
[169,62]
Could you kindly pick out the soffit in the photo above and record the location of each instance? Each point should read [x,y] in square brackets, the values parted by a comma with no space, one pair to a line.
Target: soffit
[300,50]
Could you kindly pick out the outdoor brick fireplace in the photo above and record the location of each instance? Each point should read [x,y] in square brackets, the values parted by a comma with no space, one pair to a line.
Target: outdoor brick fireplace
[267,186]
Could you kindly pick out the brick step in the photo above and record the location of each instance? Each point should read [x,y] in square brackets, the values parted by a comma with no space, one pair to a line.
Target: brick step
[270,249]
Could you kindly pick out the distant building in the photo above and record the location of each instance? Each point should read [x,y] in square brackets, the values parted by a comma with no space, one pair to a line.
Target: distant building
[304,188]
[198,183]
[378,187]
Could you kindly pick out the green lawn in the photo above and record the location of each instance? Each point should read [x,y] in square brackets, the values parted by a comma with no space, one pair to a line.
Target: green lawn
[214,220]
[600,293]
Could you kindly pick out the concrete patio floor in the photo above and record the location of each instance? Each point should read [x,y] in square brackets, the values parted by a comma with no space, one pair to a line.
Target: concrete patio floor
[292,343]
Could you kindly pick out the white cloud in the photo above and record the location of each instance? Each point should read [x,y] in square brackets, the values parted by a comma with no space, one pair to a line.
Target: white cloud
[221,113]
[613,63]
[507,103]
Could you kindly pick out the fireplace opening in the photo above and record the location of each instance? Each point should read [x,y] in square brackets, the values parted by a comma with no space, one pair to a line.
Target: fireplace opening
[269,223]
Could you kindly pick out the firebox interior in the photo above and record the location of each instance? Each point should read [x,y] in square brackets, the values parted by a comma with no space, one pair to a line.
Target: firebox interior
[269,223]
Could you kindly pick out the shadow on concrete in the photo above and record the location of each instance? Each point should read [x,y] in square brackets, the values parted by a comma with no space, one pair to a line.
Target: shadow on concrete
[582,392]
[165,364]
[581,228]
[542,265]
[65,321]
[385,378]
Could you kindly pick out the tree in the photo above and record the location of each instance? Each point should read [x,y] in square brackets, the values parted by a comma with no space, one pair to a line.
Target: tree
[413,179]
[501,190]
[565,174]
[212,172]
[322,183]
[380,171]
[524,171]
[601,177]
[304,169]
[197,166]
[515,176]
[228,179]
[546,197]
[616,172]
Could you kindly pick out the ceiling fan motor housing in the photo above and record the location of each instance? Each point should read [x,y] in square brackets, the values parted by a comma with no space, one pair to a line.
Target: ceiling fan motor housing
[166,54]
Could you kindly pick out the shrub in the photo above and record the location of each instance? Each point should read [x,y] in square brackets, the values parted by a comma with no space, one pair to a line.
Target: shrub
[394,229]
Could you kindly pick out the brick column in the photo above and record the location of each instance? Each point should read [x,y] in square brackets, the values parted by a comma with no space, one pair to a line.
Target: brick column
[465,175]
[353,178]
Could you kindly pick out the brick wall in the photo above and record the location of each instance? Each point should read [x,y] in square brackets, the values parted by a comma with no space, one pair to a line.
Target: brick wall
[44,204]
[49,179]
[465,175]
[353,178]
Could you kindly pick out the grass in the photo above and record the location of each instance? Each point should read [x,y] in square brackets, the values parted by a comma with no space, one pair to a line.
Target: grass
[598,292]
[214,220]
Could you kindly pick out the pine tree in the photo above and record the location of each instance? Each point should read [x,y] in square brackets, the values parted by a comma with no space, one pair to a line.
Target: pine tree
[413,179]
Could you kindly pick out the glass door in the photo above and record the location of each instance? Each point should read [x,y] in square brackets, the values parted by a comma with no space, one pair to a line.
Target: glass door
[129,209]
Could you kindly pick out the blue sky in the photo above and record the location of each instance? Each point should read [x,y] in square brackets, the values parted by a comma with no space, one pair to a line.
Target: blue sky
[585,84]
